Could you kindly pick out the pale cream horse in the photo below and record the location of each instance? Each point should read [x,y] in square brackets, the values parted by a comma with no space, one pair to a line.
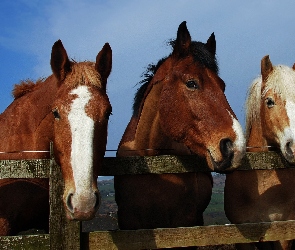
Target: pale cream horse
[266,195]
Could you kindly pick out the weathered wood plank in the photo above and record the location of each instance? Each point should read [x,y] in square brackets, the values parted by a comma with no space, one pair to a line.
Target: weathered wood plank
[263,160]
[179,164]
[142,165]
[152,164]
[25,168]
[191,236]
[64,234]
[32,242]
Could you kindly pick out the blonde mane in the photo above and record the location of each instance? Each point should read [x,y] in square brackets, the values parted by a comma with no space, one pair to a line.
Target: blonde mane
[253,105]
[281,81]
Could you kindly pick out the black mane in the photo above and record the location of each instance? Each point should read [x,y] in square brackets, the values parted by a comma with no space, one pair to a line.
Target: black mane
[148,75]
[203,56]
[200,54]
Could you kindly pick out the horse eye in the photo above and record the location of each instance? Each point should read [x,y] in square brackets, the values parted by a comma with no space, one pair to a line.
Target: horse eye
[270,102]
[192,84]
[56,114]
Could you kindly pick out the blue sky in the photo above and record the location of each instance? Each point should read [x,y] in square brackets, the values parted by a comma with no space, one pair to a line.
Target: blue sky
[137,32]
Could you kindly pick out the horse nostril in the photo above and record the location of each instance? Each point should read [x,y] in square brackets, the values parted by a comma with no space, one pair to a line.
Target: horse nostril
[288,149]
[227,152]
[69,202]
[226,148]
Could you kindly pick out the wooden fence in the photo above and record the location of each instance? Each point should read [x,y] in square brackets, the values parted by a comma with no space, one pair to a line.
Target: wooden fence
[67,235]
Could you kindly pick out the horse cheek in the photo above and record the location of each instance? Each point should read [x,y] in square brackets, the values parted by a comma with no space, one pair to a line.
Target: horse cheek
[177,126]
[61,144]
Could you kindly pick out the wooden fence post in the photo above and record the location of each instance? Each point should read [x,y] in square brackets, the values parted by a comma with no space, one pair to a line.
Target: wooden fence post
[64,234]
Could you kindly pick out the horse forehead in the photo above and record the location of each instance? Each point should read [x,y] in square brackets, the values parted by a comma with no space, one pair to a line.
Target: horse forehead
[83,95]
[81,99]
[84,73]
[188,67]
[281,81]
[187,64]
[91,101]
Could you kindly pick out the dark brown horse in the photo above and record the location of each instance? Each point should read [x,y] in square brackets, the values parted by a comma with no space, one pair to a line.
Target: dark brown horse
[70,108]
[266,195]
[181,109]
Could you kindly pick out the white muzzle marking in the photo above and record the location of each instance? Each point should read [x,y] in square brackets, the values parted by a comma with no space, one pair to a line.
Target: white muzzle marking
[290,107]
[288,135]
[239,144]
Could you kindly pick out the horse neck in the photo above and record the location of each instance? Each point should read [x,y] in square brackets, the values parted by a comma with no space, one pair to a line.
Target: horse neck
[144,136]
[26,123]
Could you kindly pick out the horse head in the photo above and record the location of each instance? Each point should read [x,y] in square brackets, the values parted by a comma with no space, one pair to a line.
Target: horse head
[185,97]
[81,111]
[277,108]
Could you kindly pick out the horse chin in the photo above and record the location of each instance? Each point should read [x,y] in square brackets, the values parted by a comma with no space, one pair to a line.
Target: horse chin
[80,216]
[288,153]
[81,207]
[290,158]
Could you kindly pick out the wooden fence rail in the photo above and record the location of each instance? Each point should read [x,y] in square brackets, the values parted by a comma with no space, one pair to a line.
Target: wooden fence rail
[67,235]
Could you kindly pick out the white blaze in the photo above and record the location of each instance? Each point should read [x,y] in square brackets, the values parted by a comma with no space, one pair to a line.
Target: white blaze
[239,143]
[290,107]
[82,129]
[289,132]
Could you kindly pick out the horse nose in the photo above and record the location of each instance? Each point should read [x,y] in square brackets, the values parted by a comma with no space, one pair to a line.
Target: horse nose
[227,152]
[82,207]
[226,148]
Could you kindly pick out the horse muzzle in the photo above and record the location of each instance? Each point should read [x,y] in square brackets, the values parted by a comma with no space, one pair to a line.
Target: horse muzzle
[288,152]
[82,206]
[229,155]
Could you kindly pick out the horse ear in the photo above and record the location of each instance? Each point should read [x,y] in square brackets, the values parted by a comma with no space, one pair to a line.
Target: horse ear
[266,67]
[103,63]
[211,44]
[60,63]
[183,40]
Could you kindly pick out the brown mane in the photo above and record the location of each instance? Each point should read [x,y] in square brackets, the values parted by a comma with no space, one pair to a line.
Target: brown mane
[24,87]
[80,73]
[84,73]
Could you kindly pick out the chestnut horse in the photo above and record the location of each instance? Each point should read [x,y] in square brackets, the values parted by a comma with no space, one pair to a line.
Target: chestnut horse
[266,195]
[70,108]
[181,109]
